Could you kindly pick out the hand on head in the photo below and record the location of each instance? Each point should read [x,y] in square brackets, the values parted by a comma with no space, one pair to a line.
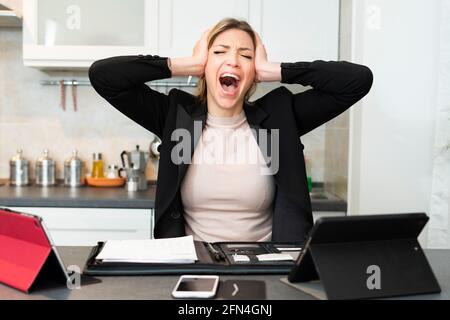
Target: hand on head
[200,55]
[200,51]
[260,57]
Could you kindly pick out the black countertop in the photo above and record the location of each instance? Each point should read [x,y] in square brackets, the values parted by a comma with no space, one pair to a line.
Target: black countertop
[97,197]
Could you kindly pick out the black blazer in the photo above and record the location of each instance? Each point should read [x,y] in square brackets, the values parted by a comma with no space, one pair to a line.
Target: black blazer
[336,86]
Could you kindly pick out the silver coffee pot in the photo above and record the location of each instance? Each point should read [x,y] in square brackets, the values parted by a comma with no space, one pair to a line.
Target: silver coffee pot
[45,170]
[19,169]
[135,162]
[74,171]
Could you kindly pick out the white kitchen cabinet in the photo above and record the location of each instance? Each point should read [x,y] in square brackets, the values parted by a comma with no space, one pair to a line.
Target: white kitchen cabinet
[87,226]
[292,30]
[74,33]
[297,30]
[181,22]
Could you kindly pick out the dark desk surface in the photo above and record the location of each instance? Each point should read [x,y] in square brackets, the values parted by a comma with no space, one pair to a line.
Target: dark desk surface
[160,287]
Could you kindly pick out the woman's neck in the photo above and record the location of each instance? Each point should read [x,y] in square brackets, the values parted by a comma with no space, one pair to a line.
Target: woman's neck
[218,111]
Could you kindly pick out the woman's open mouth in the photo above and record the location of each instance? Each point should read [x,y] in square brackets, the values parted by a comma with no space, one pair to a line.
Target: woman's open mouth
[229,83]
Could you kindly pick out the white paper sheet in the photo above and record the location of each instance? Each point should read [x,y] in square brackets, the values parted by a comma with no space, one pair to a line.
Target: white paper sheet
[274,257]
[168,250]
[240,258]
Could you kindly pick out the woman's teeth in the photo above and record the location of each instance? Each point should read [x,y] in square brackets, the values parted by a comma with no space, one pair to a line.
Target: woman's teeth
[230,75]
[229,83]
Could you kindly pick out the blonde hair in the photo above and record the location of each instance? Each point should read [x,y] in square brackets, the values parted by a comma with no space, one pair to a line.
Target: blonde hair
[222,26]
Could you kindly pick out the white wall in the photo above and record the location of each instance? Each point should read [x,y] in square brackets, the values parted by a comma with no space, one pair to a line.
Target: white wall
[439,228]
[392,132]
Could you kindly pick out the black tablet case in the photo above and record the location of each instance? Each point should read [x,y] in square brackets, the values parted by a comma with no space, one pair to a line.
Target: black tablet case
[206,263]
[340,249]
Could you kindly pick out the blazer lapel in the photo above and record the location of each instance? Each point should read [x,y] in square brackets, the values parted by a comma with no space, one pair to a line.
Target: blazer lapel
[193,119]
[254,114]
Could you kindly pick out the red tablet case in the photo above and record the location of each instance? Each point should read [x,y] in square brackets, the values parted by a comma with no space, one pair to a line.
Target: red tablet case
[24,249]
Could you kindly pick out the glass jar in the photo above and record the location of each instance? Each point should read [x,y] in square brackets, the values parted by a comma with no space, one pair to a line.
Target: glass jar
[97,166]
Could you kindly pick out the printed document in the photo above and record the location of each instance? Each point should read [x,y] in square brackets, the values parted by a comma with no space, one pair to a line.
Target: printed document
[168,250]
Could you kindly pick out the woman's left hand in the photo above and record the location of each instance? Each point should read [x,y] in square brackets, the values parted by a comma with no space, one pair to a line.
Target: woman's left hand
[265,70]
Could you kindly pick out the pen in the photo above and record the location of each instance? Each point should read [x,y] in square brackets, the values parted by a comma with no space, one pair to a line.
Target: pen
[217,255]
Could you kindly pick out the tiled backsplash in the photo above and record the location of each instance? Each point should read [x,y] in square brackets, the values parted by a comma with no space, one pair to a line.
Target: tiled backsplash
[31,118]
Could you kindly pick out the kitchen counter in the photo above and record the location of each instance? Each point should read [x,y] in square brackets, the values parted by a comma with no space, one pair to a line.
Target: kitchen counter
[95,197]
[83,197]
[324,201]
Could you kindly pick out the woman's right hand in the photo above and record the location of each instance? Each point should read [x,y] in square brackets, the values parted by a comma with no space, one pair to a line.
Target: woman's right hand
[200,51]
[193,65]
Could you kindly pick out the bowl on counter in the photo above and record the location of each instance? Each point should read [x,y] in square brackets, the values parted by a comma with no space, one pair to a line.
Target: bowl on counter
[105,182]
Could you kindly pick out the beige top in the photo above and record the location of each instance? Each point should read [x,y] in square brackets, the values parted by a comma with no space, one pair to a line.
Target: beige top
[225,195]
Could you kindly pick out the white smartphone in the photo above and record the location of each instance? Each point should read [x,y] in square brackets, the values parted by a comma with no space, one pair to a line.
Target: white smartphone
[192,286]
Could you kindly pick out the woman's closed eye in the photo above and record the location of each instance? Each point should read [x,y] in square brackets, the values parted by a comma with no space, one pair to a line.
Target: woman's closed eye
[217,52]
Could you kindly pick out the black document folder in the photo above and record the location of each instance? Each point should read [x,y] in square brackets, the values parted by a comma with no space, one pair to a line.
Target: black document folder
[213,258]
